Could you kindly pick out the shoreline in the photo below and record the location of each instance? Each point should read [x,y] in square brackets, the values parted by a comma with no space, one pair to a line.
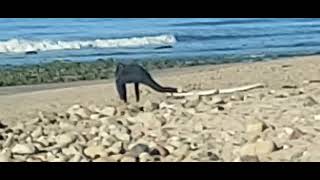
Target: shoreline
[25,88]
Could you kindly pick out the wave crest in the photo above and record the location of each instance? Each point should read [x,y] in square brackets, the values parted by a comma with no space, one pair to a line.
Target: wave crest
[22,45]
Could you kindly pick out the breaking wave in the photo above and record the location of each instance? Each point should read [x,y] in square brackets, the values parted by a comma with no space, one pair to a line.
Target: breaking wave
[23,45]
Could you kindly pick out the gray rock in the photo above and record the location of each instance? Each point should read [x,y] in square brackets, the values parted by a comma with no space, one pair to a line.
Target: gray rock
[158,150]
[137,149]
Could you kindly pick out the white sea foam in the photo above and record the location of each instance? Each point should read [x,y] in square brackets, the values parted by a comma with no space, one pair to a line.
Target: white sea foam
[22,45]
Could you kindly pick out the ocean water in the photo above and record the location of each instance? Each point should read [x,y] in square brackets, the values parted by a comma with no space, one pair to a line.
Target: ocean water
[87,39]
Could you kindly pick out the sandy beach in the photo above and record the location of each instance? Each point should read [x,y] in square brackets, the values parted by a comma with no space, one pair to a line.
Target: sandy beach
[279,122]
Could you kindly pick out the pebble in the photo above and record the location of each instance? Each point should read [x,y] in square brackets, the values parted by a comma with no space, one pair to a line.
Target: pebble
[108,111]
[149,106]
[123,137]
[192,101]
[159,150]
[116,148]
[256,127]
[104,159]
[203,107]
[8,142]
[63,140]
[217,100]
[37,132]
[75,158]
[264,147]
[23,149]
[145,157]
[95,151]
[317,117]
[5,156]
[248,150]
[149,120]
[138,149]
[247,158]
[309,101]
[128,159]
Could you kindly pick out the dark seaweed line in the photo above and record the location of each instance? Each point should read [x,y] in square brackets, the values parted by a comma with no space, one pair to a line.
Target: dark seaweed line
[69,71]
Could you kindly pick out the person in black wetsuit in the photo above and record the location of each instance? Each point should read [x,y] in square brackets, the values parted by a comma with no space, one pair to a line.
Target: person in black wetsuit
[134,73]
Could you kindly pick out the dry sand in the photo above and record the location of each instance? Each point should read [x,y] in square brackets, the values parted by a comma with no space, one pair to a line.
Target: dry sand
[279,122]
